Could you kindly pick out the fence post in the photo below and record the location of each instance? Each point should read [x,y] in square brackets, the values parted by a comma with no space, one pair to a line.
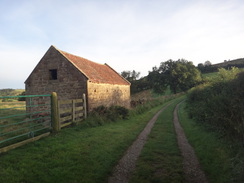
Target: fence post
[84,105]
[54,110]
[73,111]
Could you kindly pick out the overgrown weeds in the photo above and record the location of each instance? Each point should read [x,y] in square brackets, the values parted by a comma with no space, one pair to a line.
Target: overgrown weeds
[153,102]
[102,114]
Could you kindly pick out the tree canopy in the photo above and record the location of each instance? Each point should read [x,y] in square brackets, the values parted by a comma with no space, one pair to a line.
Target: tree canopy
[179,75]
[130,75]
[137,85]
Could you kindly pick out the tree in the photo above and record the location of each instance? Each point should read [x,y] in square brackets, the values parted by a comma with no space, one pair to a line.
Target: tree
[21,98]
[130,75]
[156,80]
[179,75]
[207,63]
[137,85]
[201,67]
[227,75]
[140,85]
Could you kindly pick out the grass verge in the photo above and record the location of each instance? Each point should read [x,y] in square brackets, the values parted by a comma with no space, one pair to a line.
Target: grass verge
[160,160]
[77,154]
[221,160]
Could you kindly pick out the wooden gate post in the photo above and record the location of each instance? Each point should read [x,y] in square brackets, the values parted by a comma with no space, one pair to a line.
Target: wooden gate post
[54,111]
[73,111]
[84,105]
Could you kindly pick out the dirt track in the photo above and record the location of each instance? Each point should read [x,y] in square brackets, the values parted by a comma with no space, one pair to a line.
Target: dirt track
[126,165]
[191,166]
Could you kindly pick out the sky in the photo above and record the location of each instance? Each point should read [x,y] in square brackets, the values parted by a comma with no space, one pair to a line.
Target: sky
[126,34]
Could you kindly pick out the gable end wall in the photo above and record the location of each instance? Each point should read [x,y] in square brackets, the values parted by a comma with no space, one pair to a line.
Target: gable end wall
[70,83]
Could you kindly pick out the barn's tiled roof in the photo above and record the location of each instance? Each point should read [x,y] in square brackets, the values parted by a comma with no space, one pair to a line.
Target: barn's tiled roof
[95,72]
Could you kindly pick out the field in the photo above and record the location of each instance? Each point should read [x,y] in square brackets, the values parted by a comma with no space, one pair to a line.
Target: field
[11,108]
[11,113]
[84,154]
[15,124]
[11,92]
[77,154]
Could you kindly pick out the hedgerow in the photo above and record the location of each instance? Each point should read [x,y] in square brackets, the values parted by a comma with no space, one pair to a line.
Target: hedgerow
[220,105]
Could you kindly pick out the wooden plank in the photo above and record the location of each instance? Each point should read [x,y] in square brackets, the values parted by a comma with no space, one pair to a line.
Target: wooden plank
[59,114]
[66,124]
[85,107]
[79,108]
[70,101]
[73,110]
[13,146]
[62,119]
[65,110]
[78,100]
[61,102]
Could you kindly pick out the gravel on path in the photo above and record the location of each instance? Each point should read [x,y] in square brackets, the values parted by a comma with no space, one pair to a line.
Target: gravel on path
[127,163]
[191,166]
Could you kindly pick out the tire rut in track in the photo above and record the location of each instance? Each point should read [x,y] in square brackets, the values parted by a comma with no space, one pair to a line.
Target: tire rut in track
[127,163]
[191,166]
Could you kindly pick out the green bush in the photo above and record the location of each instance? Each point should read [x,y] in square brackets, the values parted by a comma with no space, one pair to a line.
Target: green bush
[102,114]
[220,106]
[21,98]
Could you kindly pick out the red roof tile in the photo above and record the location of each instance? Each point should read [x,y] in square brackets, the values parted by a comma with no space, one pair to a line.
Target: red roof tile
[95,72]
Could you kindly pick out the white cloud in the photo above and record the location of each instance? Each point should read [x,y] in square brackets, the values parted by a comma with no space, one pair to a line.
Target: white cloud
[125,34]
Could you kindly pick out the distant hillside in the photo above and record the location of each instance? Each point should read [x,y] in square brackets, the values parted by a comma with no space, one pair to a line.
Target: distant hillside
[10,92]
[228,64]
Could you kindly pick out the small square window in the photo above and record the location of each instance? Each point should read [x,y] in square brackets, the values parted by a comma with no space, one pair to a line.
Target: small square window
[53,75]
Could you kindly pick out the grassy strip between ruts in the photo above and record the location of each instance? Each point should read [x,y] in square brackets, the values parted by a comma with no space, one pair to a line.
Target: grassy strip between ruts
[160,160]
[221,160]
[77,154]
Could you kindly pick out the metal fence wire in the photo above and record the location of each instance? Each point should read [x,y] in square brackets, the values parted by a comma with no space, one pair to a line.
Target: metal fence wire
[21,120]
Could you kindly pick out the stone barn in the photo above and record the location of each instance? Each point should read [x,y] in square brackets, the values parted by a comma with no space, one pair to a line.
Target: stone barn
[71,76]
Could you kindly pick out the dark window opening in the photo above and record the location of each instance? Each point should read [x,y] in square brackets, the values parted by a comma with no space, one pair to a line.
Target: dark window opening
[53,74]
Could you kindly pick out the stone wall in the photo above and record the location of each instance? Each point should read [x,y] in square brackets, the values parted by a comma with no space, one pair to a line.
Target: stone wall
[107,95]
[70,82]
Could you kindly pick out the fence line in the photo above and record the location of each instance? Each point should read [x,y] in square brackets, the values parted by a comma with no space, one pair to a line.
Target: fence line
[71,111]
[36,117]
[22,122]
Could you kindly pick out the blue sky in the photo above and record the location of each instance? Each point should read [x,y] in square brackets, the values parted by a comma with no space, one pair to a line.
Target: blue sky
[126,34]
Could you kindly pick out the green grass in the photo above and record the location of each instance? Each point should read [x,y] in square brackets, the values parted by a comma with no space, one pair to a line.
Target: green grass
[160,160]
[221,160]
[8,109]
[77,154]
[17,107]
[15,124]
[150,94]
[210,75]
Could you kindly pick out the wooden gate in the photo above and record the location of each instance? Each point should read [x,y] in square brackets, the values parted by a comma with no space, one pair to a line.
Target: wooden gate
[71,111]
